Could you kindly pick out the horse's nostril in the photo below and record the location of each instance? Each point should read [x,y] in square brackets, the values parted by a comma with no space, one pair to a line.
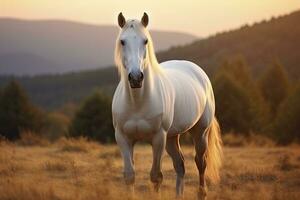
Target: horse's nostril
[129,77]
[142,76]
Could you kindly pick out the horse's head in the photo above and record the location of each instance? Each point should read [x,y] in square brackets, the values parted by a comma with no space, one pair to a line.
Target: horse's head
[132,44]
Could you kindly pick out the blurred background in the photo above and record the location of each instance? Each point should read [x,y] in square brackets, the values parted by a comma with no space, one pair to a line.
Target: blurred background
[57,75]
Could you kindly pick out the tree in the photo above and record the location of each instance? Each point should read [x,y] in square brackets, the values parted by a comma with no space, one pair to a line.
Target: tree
[233,106]
[56,125]
[240,72]
[274,87]
[17,113]
[238,69]
[93,119]
[287,126]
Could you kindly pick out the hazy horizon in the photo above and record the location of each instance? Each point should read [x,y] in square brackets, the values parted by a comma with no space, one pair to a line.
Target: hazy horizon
[90,24]
[198,18]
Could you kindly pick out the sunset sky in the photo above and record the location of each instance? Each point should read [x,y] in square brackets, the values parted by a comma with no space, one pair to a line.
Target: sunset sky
[198,17]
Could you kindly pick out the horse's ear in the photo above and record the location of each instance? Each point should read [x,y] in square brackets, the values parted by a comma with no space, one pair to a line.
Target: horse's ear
[145,20]
[121,20]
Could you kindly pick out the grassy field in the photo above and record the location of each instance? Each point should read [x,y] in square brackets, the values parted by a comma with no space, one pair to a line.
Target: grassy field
[77,169]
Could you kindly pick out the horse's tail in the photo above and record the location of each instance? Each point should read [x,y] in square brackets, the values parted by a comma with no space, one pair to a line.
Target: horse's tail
[214,153]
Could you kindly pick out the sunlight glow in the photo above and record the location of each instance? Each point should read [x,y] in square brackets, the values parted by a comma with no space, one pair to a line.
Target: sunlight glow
[194,16]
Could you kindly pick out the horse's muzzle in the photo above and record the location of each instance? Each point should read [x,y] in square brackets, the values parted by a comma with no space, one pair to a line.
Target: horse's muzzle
[136,79]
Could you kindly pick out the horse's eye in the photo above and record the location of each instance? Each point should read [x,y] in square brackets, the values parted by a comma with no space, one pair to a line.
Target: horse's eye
[122,42]
[145,41]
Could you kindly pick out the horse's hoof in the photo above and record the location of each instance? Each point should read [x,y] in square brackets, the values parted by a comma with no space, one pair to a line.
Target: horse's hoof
[179,194]
[129,179]
[156,187]
[202,193]
[130,191]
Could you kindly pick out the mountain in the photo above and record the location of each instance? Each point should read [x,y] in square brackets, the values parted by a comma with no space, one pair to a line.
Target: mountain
[56,46]
[14,62]
[260,44]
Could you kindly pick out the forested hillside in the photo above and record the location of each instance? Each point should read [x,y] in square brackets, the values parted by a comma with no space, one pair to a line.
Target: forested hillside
[51,91]
[260,44]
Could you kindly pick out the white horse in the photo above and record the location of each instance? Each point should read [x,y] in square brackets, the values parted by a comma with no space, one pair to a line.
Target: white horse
[158,102]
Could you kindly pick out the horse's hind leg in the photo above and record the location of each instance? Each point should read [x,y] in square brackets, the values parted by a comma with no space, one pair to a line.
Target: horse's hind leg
[200,141]
[173,149]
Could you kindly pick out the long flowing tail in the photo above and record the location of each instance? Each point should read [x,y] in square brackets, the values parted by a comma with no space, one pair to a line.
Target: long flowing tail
[214,153]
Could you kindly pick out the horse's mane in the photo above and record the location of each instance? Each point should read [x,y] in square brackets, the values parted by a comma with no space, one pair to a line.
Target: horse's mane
[150,59]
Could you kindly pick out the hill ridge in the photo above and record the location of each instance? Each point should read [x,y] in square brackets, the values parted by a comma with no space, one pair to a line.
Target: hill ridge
[260,44]
[71,45]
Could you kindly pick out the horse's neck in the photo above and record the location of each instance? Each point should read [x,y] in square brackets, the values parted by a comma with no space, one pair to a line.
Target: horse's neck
[140,95]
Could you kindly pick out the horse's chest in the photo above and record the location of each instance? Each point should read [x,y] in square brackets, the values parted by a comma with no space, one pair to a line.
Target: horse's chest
[141,127]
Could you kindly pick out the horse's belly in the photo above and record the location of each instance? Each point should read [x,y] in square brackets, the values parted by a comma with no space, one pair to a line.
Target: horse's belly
[142,128]
[185,118]
[189,105]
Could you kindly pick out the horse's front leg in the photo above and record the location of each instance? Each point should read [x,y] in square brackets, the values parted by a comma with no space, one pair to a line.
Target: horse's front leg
[126,147]
[158,147]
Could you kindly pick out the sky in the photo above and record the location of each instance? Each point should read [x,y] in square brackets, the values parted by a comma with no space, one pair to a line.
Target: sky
[198,17]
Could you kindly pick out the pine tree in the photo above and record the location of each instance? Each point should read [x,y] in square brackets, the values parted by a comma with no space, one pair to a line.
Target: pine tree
[93,119]
[274,87]
[287,126]
[240,72]
[17,113]
[233,106]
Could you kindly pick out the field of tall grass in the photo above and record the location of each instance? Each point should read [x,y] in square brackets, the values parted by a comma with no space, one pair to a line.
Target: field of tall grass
[79,169]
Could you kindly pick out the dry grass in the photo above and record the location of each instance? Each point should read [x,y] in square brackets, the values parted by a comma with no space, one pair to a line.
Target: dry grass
[78,169]
[29,138]
[56,166]
[80,145]
[240,140]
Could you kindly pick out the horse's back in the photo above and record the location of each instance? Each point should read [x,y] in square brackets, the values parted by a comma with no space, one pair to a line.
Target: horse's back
[191,69]
[194,97]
